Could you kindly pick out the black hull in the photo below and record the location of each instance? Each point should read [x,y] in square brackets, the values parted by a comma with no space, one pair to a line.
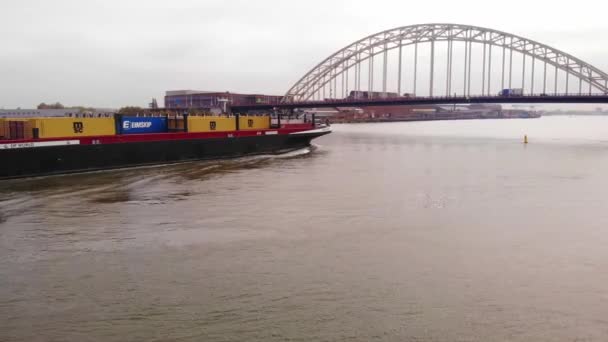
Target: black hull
[40,161]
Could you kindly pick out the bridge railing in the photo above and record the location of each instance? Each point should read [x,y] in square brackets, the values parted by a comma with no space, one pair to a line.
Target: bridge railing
[418,98]
[430,100]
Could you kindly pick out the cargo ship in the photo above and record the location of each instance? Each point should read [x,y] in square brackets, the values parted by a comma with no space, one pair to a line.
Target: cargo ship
[46,146]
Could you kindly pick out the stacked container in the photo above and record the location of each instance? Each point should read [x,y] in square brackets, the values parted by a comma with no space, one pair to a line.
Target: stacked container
[73,127]
[211,124]
[142,125]
[254,122]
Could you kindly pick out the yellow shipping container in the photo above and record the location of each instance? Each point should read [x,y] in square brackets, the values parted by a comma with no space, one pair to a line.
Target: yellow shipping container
[27,129]
[2,133]
[73,127]
[254,122]
[211,124]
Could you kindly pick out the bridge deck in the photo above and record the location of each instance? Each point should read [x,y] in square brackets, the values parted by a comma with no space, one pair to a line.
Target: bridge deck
[400,101]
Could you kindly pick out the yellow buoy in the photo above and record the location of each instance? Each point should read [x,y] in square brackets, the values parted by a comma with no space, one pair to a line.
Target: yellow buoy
[525,139]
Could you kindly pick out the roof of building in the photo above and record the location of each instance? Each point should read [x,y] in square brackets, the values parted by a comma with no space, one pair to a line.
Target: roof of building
[199,92]
[188,92]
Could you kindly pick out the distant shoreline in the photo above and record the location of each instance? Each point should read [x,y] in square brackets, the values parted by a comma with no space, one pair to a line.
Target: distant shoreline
[575,113]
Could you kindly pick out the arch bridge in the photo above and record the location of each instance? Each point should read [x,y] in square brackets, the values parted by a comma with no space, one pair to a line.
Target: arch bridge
[447,63]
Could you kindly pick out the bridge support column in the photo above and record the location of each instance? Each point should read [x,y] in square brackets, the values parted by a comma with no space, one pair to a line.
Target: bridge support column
[523,70]
[432,67]
[504,53]
[345,83]
[448,78]
[415,64]
[567,76]
[370,81]
[342,84]
[555,86]
[324,97]
[483,72]
[384,69]
[469,68]
[489,70]
[533,65]
[580,83]
[511,65]
[399,69]
[331,81]
[335,85]
[545,78]
[451,66]
[358,75]
[466,58]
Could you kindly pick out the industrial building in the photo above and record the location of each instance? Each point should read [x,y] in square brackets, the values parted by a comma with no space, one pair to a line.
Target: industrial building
[36,113]
[214,101]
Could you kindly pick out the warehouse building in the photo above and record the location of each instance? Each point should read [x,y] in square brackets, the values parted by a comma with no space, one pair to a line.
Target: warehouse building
[214,101]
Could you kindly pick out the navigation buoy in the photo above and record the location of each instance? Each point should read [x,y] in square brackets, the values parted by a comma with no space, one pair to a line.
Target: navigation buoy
[525,139]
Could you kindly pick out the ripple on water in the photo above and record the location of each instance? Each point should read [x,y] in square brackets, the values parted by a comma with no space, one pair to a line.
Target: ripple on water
[428,232]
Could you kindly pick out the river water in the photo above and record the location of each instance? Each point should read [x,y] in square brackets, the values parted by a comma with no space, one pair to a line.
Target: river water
[420,231]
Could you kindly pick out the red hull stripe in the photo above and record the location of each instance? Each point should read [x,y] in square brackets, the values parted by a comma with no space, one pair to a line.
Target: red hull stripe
[127,138]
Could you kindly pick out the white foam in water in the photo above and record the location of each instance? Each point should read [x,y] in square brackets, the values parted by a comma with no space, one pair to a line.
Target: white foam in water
[296,153]
[261,157]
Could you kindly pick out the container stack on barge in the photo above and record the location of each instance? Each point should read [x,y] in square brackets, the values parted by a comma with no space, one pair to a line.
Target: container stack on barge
[44,146]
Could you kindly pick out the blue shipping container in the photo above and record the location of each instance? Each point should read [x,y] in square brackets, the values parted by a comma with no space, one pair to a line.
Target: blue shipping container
[135,125]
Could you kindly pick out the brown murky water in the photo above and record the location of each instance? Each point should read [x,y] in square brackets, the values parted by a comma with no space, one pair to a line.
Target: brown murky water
[434,231]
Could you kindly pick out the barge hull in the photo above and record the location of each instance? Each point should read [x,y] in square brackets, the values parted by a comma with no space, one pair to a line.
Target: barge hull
[71,158]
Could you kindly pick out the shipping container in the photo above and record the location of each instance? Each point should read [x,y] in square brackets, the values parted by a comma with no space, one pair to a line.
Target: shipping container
[2,133]
[254,122]
[176,124]
[211,124]
[73,127]
[138,125]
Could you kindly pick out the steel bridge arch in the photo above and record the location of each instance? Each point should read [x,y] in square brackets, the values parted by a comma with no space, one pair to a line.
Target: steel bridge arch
[380,43]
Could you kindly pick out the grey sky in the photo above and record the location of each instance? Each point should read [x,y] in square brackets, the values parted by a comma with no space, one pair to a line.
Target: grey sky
[113,53]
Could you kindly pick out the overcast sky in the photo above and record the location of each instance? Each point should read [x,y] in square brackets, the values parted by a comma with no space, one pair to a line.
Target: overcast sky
[113,53]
